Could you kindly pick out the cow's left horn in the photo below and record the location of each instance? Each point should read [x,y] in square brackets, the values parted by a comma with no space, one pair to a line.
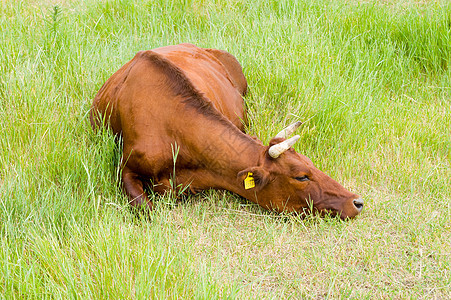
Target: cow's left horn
[276,150]
[285,133]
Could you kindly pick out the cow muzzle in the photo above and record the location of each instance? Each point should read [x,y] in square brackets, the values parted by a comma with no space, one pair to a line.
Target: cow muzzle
[358,204]
[350,209]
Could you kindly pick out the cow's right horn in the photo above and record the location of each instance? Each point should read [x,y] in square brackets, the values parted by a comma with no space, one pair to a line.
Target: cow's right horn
[276,150]
[289,130]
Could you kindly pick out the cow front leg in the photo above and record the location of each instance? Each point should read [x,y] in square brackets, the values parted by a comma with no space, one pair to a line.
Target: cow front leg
[134,189]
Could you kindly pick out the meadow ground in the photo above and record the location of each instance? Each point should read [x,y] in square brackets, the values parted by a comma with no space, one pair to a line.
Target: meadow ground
[370,78]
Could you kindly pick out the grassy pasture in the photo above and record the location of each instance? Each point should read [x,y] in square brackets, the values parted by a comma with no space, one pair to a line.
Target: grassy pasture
[372,80]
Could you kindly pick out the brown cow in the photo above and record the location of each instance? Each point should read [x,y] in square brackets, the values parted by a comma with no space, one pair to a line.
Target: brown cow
[188,100]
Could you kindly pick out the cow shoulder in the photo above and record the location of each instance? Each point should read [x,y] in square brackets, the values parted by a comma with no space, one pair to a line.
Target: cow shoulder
[233,67]
[180,84]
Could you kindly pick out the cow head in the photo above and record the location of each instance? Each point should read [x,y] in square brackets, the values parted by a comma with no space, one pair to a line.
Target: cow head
[288,181]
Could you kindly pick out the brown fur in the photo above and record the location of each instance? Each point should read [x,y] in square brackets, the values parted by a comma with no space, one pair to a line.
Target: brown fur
[182,86]
[188,99]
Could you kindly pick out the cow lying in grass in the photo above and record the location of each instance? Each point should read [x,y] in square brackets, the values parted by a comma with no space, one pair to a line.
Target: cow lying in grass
[188,99]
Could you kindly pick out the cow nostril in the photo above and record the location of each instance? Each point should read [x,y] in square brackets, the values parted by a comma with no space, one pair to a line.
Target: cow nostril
[358,203]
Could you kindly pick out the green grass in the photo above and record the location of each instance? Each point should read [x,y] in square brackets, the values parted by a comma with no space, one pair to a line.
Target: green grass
[372,80]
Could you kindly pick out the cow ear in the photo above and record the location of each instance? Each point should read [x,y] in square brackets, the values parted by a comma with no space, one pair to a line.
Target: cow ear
[255,178]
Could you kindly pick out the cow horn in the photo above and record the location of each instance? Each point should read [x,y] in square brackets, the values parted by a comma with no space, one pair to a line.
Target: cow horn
[276,150]
[285,133]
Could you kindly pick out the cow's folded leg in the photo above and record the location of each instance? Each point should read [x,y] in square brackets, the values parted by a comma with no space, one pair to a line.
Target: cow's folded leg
[133,187]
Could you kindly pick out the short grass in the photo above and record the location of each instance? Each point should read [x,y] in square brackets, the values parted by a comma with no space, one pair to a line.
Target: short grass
[370,78]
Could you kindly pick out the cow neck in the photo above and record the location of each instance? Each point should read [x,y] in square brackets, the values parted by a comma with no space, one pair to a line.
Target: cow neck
[225,151]
[245,153]
[235,151]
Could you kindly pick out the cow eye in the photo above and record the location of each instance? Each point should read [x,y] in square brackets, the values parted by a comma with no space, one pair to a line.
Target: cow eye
[302,178]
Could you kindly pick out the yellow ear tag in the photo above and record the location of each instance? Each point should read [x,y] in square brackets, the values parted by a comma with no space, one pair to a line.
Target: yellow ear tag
[249,181]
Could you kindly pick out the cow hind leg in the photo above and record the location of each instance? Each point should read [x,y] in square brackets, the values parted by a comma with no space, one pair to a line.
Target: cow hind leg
[134,189]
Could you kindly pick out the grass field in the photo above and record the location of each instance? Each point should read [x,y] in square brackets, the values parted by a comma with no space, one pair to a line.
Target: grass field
[370,78]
